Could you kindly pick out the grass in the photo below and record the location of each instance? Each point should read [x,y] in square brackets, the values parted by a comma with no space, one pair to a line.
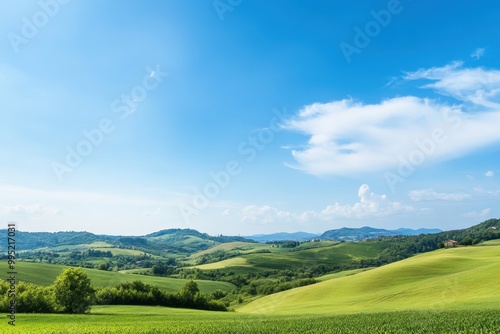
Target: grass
[234,262]
[227,246]
[308,254]
[459,278]
[329,255]
[152,320]
[341,274]
[45,274]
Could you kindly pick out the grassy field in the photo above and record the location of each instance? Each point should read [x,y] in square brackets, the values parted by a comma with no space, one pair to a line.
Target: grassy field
[234,262]
[227,246]
[328,253]
[341,274]
[150,320]
[457,278]
[45,274]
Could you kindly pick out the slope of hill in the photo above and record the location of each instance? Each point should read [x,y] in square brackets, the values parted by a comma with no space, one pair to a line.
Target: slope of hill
[178,241]
[45,274]
[267,257]
[456,278]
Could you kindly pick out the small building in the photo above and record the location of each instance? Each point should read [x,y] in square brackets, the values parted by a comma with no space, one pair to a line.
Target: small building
[450,243]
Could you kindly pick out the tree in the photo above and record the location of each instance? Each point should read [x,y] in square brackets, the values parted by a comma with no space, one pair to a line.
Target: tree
[73,291]
[190,290]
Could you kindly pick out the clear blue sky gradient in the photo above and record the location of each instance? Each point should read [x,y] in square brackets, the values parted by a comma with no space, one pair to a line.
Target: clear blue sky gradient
[246,117]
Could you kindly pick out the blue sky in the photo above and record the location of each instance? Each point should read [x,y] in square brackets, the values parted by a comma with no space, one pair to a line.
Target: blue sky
[246,117]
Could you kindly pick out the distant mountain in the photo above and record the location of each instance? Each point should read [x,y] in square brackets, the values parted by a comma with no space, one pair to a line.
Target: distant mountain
[366,232]
[409,231]
[179,240]
[191,232]
[283,236]
[189,240]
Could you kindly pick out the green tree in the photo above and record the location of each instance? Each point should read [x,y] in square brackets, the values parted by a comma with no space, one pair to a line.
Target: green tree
[190,290]
[73,291]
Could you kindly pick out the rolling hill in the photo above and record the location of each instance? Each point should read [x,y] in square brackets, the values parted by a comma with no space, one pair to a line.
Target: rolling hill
[456,278]
[45,274]
[259,257]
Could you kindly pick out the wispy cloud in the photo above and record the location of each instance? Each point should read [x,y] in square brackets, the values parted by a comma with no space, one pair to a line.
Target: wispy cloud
[431,195]
[477,86]
[476,214]
[489,173]
[32,209]
[478,53]
[348,137]
[369,205]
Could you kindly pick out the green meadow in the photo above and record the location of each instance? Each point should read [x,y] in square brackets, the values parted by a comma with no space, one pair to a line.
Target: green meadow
[251,257]
[464,278]
[45,274]
[156,320]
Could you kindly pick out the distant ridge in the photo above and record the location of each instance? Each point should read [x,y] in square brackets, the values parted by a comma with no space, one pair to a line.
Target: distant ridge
[366,232]
[33,240]
[344,233]
[283,236]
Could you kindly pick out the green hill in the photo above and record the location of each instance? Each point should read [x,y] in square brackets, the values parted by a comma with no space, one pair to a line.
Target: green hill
[266,257]
[45,274]
[457,278]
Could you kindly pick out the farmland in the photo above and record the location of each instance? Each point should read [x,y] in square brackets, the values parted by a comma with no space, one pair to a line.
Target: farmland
[130,319]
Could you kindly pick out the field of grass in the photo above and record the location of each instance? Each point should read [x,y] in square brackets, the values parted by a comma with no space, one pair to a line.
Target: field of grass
[77,247]
[45,274]
[341,274]
[457,278]
[328,253]
[100,245]
[227,246]
[155,320]
[234,262]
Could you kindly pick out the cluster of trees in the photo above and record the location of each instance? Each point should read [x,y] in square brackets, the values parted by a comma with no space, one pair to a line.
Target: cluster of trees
[72,292]
[262,282]
[91,253]
[284,243]
[138,293]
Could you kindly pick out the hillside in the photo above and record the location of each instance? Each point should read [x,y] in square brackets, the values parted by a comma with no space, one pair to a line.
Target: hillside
[45,274]
[257,257]
[172,241]
[456,278]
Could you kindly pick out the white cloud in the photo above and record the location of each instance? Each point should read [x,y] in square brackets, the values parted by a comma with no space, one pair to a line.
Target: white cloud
[264,214]
[478,53]
[32,209]
[475,214]
[430,195]
[490,173]
[348,137]
[478,86]
[369,205]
